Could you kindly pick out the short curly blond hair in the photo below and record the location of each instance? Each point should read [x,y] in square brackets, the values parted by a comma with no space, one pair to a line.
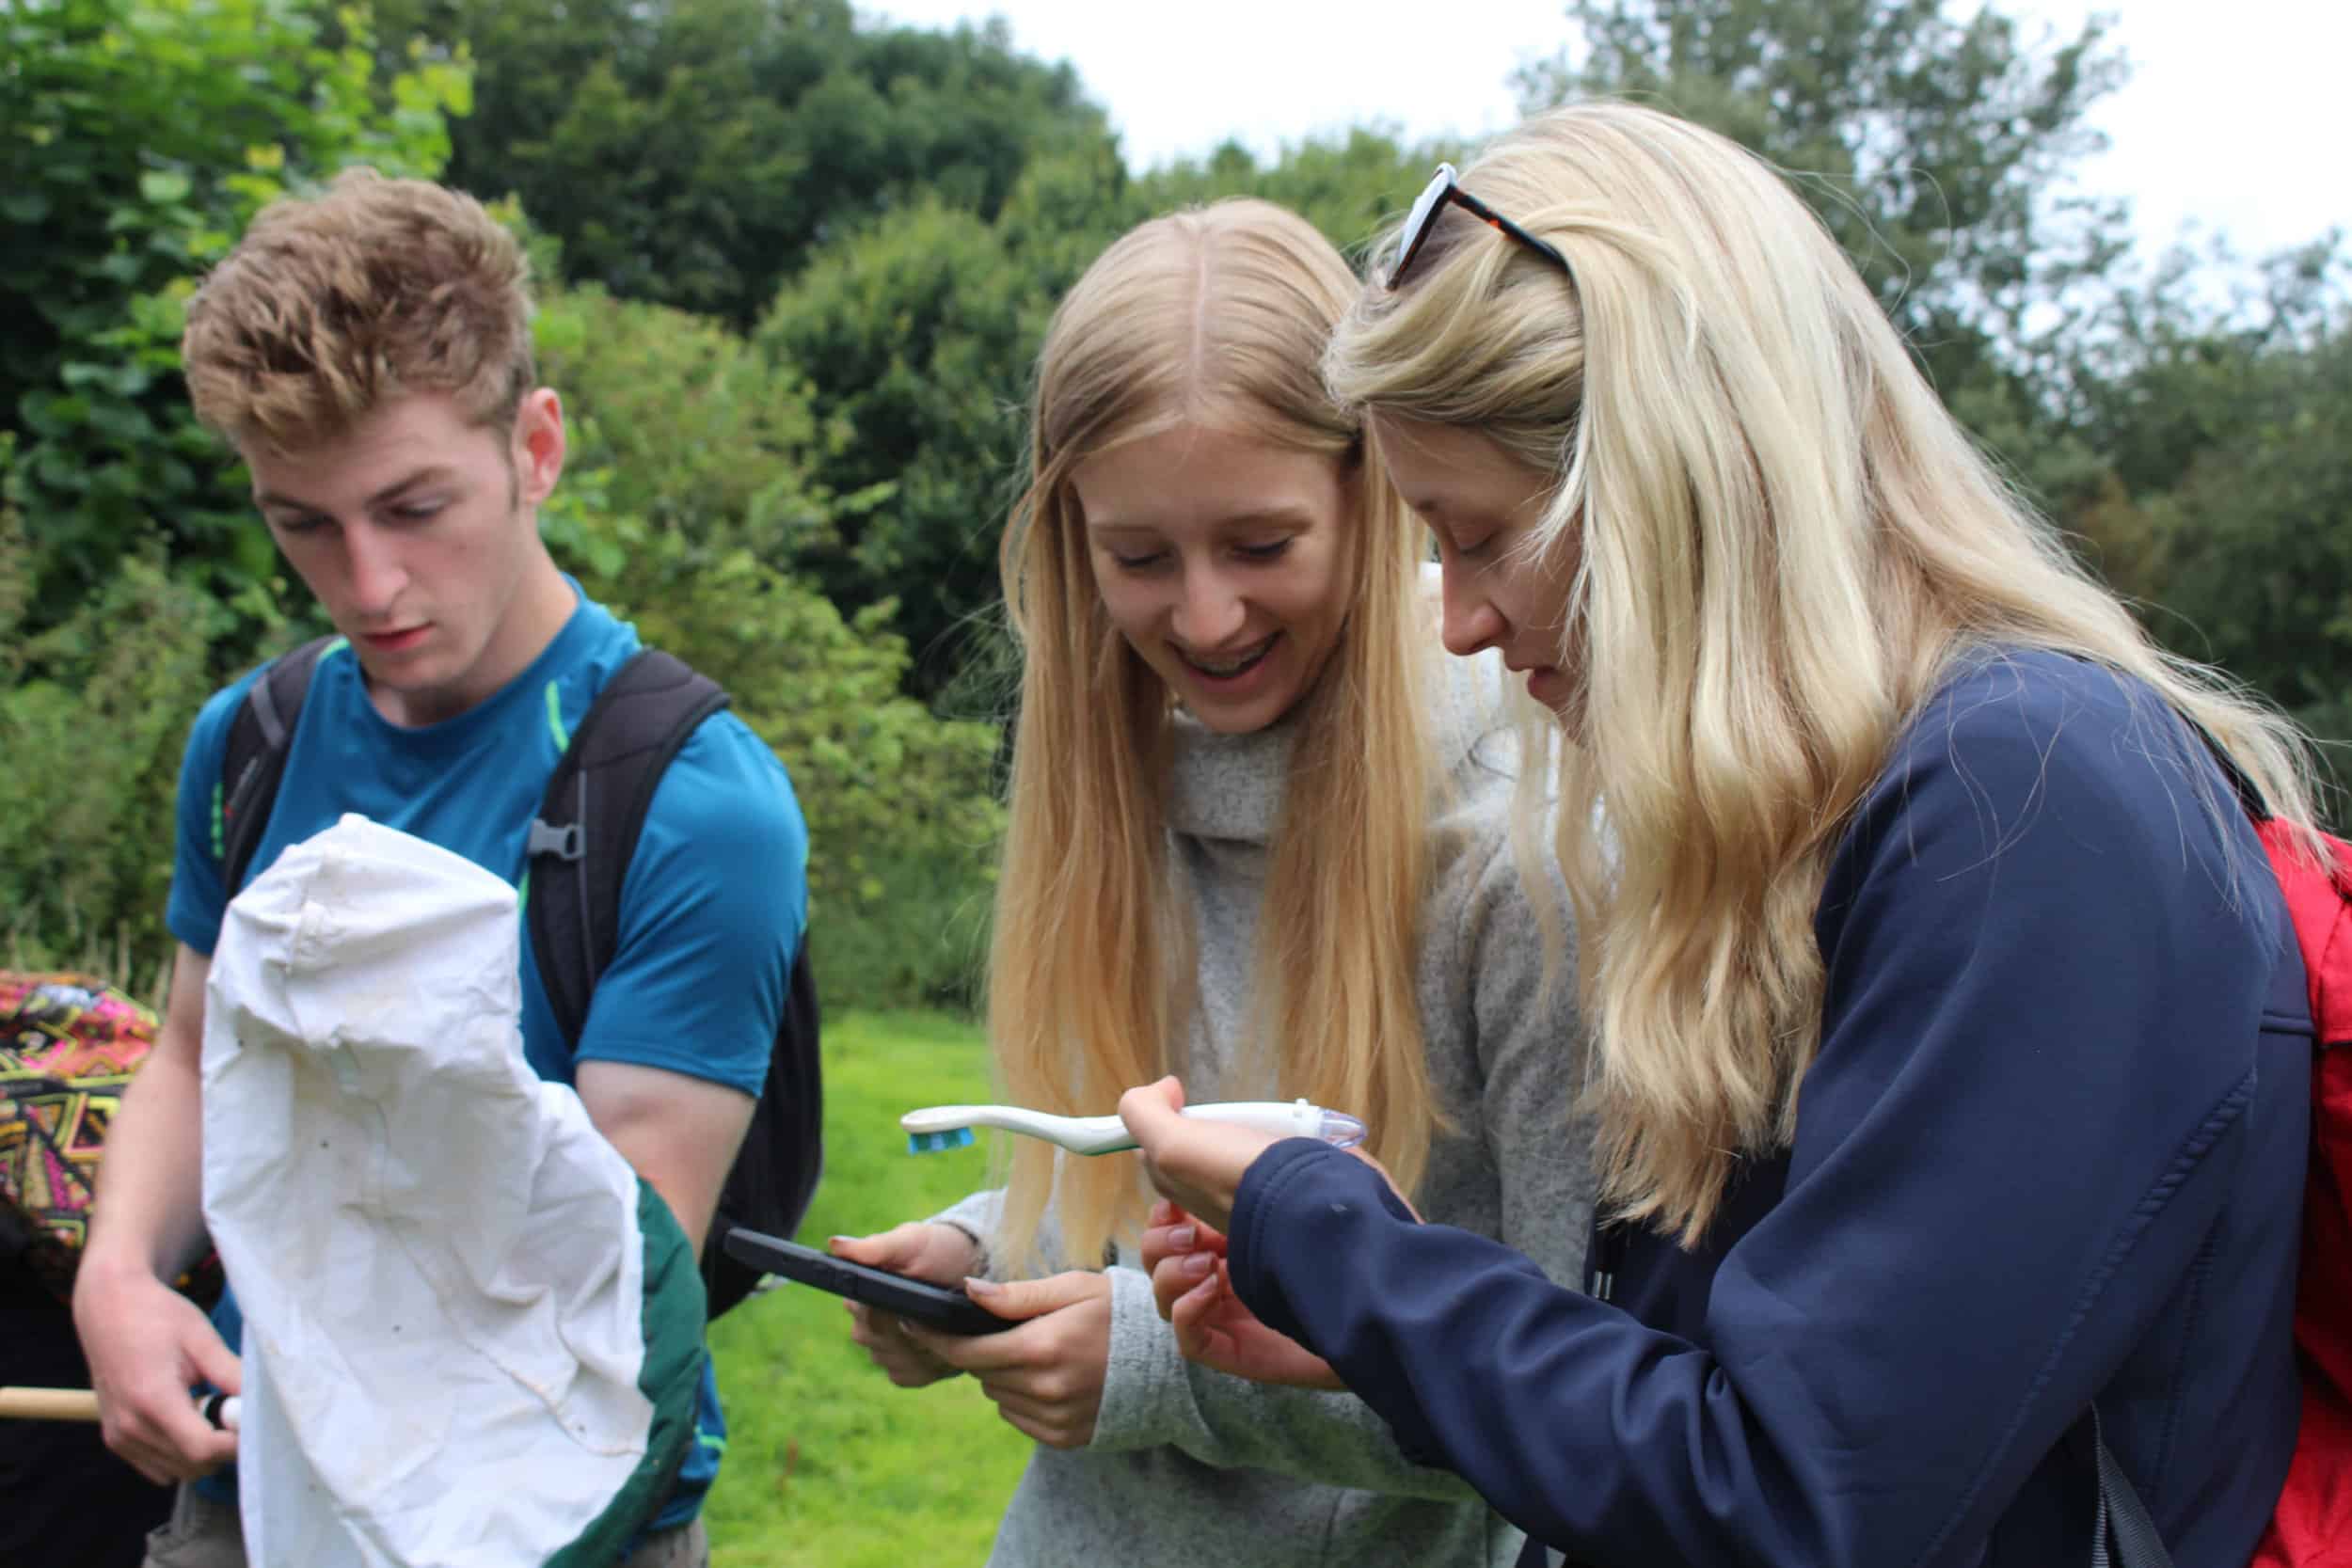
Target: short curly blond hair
[333,304]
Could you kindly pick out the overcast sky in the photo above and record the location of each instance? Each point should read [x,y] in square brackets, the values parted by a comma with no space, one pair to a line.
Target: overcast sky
[2235,117]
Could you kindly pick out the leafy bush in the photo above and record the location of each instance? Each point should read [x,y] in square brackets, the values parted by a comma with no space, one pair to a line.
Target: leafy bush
[137,140]
[687,488]
[692,429]
[93,712]
[917,335]
[919,332]
[900,818]
[694,151]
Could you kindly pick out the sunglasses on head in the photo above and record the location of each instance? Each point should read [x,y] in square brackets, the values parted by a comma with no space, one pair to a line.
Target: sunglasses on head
[1444,187]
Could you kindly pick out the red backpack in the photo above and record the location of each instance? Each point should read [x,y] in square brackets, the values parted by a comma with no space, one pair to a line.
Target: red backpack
[2312,1525]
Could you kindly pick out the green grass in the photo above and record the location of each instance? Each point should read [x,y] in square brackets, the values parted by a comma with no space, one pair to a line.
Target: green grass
[827,1462]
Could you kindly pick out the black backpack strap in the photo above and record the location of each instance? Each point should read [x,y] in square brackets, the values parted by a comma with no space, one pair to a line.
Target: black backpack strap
[580,846]
[577,856]
[782,1154]
[254,763]
[2125,1536]
[2250,796]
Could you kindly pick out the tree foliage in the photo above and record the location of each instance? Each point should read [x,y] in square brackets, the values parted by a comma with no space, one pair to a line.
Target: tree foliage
[1934,140]
[1349,186]
[2228,432]
[688,425]
[919,335]
[693,153]
[795,270]
[92,711]
[136,142]
[687,481]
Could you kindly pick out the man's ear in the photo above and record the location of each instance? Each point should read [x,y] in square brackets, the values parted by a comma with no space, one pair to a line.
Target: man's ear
[539,445]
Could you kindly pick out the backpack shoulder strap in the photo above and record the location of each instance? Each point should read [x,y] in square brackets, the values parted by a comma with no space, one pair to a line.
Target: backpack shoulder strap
[254,763]
[2123,1536]
[595,806]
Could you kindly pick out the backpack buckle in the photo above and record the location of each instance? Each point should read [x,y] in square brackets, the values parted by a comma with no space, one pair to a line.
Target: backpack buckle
[563,843]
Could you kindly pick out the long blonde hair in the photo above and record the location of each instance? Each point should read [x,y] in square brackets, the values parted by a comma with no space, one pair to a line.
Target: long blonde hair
[1218,315]
[1780,542]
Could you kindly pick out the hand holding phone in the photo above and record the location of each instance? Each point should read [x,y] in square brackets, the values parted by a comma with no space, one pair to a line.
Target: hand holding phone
[943,1307]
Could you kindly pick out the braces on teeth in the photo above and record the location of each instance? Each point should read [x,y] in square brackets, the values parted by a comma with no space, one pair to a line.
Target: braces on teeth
[1236,667]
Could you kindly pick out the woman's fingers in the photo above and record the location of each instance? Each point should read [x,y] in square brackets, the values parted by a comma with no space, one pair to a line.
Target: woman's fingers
[919,1249]
[1177,1275]
[1195,1163]
[1053,1421]
[887,1344]
[1179,1237]
[1189,1315]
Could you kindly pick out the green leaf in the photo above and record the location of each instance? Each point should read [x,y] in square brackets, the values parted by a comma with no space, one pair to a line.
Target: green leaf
[54,418]
[164,187]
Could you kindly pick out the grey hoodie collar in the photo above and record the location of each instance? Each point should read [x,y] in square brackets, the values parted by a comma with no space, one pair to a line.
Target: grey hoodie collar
[1228,786]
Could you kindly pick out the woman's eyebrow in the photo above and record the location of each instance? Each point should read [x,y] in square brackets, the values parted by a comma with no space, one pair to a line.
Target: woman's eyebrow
[1282,516]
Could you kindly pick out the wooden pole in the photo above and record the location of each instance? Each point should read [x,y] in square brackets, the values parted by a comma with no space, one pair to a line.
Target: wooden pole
[80,1404]
[48,1405]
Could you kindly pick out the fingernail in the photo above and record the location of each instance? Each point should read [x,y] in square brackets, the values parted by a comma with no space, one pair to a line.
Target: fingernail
[981,1287]
[1182,1238]
[1195,1264]
[1163,1211]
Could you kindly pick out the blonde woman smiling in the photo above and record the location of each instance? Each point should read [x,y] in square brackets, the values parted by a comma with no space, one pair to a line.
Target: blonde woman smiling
[1951,1057]
[1259,837]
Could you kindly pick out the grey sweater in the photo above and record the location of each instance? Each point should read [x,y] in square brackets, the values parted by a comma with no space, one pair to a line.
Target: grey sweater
[1190,1466]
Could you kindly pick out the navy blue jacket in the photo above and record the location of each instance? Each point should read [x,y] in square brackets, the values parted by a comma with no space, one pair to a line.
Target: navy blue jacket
[2051,1151]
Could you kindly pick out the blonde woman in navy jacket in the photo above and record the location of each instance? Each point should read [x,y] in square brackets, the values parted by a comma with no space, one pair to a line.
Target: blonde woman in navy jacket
[1952,1059]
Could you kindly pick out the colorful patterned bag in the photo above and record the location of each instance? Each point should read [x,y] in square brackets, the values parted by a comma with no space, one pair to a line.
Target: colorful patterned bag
[69,1045]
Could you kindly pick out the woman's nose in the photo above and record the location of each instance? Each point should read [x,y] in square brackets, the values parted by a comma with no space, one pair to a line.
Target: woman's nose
[1471,621]
[1209,613]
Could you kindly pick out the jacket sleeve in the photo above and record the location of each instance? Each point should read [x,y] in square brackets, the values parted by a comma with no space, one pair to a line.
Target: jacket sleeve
[1522,1051]
[1152,1395]
[2022,1120]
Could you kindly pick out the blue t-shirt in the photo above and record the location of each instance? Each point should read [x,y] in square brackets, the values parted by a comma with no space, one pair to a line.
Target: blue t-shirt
[712,907]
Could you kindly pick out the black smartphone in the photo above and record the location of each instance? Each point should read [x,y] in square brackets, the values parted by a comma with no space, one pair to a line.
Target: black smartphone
[944,1308]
